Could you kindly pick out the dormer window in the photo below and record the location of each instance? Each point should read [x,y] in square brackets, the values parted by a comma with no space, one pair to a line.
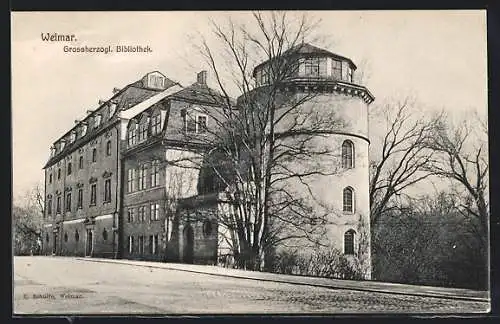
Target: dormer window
[97,121]
[72,136]
[62,145]
[84,129]
[112,108]
[52,151]
[154,80]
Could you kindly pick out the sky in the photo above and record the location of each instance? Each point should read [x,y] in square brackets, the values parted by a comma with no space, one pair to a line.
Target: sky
[438,57]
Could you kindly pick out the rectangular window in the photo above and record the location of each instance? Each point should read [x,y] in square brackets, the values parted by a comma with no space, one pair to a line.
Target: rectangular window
[312,66]
[155,212]
[131,215]
[49,207]
[58,205]
[130,244]
[141,244]
[131,180]
[68,202]
[80,163]
[155,173]
[142,177]
[201,124]
[93,194]
[337,69]
[132,135]
[107,190]
[156,124]
[80,198]
[142,214]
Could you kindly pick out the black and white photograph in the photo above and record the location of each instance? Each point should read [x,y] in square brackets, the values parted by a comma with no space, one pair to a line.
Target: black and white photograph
[250,162]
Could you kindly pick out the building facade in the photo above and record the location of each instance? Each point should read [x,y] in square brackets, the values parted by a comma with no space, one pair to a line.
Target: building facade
[113,191]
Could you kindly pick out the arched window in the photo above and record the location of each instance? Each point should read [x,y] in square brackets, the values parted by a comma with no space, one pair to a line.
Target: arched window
[207,227]
[77,236]
[347,154]
[50,178]
[94,155]
[348,200]
[349,242]
[104,234]
[58,174]
[65,237]
[69,168]
[47,237]
[80,163]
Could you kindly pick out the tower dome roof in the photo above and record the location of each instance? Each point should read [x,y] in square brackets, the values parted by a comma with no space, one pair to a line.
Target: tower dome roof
[305,49]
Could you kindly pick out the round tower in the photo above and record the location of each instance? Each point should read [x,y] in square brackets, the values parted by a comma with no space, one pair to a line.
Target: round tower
[332,105]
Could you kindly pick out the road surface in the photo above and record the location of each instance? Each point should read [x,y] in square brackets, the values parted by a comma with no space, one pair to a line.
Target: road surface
[58,285]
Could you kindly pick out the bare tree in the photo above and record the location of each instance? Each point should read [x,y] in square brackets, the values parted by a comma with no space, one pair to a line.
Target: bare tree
[461,156]
[404,155]
[27,217]
[266,140]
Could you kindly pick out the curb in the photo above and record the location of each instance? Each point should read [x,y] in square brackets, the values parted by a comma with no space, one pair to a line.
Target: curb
[464,298]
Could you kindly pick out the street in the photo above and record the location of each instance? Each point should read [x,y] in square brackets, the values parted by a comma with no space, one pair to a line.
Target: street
[58,285]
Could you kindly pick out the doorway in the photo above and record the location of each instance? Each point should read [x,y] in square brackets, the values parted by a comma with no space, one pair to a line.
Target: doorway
[90,243]
[188,244]
[54,245]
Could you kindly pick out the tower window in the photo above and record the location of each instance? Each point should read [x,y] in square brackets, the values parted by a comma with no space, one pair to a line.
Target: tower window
[94,155]
[347,155]
[104,234]
[69,168]
[49,207]
[312,66]
[80,162]
[337,69]
[349,242]
[348,200]
[58,174]
[50,178]
[58,205]
[108,148]
[77,236]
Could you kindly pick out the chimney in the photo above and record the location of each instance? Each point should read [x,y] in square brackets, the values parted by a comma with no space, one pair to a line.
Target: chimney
[116,90]
[201,77]
[101,102]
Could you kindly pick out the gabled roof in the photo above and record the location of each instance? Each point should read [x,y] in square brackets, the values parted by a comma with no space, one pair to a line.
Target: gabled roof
[305,49]
[126,98]
[201,93]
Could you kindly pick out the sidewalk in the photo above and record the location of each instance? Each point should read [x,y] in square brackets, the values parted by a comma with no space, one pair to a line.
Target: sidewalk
[371,286]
